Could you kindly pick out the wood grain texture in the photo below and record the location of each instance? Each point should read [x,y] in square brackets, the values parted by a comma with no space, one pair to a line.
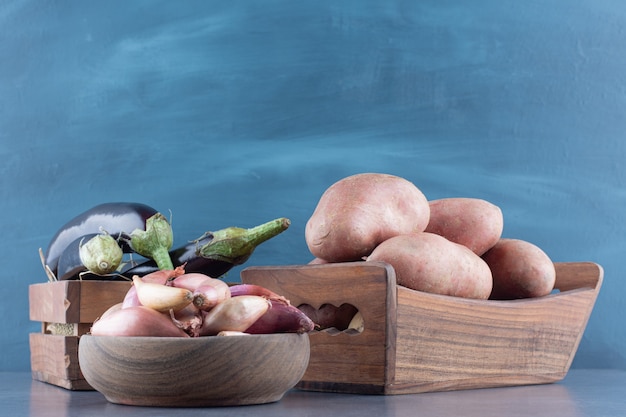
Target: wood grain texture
[73,301]
[341,358]
[202,371]
[69,307]
[419,342]
[54,359]
[457,344]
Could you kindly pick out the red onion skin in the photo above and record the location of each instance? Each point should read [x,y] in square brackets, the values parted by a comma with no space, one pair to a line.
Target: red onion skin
[189,319]
[310,311]
[282,318]
[164,275]
[193,280]
[136,321]
[329,316]
[252,289]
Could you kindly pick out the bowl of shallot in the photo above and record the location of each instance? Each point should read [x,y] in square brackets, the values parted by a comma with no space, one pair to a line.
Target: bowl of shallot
[193,348]
[194,372]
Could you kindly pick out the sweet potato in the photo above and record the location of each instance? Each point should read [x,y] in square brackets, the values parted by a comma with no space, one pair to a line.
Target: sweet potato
[520,269]
[431,263]
[472,222]
[358,212]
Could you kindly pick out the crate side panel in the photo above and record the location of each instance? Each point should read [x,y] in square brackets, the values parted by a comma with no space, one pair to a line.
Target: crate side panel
[445,343]
[54,359]
[97,296]
[57,302]
[74,301]
[336,359]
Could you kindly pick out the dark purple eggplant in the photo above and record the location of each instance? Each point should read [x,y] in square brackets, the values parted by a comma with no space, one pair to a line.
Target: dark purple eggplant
[188,255]
[76,265]
[70,265]
[215,253]
[117,219]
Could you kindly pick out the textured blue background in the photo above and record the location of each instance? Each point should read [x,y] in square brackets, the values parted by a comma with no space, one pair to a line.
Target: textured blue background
[234,113]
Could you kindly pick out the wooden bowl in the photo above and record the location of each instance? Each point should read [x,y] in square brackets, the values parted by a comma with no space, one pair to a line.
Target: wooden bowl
[194,372]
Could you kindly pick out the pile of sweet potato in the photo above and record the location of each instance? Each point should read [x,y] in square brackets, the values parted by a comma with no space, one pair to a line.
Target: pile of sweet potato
[451,246]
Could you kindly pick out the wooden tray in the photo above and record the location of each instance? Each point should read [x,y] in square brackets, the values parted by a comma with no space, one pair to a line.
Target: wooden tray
[416,342]
[66,310]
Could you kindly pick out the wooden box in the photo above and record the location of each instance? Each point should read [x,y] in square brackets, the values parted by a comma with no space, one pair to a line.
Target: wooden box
[415,342]
[66,310]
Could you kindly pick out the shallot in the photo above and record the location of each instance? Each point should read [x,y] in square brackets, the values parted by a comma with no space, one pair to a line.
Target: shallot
[110,310]
[189,319]
[282,318]
[207,292]
[164,277]
[234,314]
[161,297]
[252,289]
[136,321]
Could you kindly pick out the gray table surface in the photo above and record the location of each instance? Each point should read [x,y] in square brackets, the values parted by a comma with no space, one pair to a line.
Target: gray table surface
[583,392]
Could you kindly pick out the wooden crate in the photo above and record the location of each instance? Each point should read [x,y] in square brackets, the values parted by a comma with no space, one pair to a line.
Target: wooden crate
[66,310]
[415,342]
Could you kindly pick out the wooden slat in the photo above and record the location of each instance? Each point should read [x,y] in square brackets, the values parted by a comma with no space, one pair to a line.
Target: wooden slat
[54,359]
[74,301]
[57,302]
[97,296]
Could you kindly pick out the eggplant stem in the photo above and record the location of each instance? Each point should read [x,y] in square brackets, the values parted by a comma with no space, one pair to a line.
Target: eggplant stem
[235,244]
[155,242]
[162,258]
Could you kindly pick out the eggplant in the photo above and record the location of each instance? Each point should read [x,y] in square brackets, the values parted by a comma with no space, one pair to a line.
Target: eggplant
[77,262]
[215,253]
[187,255]
[118,219]
[70,265]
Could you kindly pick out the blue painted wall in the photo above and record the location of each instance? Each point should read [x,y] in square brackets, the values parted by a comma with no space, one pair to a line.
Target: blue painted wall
[234,113]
